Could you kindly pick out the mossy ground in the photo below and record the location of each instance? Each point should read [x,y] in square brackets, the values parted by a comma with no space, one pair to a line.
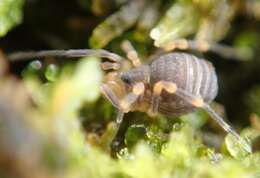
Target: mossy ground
[54,121]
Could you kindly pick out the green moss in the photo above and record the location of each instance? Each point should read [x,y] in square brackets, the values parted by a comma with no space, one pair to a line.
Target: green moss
[55,123]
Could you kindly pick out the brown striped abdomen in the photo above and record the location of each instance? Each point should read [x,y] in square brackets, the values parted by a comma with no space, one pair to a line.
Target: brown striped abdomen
[194,75]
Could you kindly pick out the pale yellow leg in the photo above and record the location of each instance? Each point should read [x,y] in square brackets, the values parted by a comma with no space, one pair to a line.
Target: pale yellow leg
[204,46]
[131,53]
[170,87]
[110,66]
[138,90]
[187,44]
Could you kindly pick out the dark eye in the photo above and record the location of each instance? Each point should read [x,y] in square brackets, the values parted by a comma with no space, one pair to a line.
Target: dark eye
[125,78]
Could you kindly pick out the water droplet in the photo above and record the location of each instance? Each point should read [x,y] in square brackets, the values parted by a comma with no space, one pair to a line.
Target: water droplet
[35,65]
[177,127]
[51,72]
[235,148]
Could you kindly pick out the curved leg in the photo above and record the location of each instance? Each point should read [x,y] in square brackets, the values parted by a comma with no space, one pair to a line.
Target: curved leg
[203,46]
[131,53]
[138,90]
[110,95]
[198,102]
[125,105]
[170,87]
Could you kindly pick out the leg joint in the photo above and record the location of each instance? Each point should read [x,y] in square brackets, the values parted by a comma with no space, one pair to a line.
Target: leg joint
[170,87]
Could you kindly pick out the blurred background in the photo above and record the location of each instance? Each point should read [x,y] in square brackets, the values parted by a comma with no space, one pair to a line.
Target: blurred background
[55,123]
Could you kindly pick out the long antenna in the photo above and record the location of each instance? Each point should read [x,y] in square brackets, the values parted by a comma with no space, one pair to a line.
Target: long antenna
[18,56]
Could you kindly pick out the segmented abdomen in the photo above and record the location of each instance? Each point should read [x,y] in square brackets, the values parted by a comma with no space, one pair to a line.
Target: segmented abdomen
[194,75]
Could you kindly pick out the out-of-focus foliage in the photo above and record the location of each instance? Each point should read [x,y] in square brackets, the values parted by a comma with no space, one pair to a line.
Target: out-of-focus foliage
[55,124]
[117,23]
[205,20]
[252,7]
[252,99]
[209,21]
[10,14]
[141,13]
[62,151]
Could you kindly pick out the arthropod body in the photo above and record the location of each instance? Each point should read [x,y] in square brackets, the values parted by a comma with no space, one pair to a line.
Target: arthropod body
[187,72]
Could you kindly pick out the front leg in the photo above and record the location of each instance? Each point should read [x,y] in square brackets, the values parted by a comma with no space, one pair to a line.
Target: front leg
[123,105]
[130,98]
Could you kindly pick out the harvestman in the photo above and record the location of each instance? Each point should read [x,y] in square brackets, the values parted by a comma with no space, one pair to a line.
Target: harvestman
[173,84]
